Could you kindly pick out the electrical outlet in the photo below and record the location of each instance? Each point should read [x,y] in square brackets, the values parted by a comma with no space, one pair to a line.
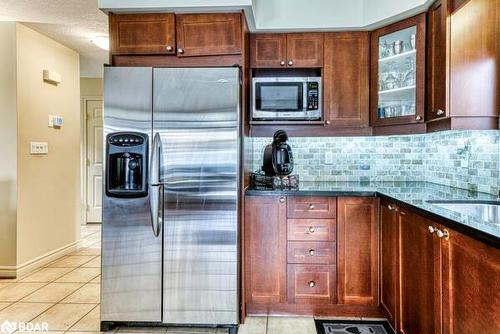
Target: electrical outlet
[39,148]
[328,158]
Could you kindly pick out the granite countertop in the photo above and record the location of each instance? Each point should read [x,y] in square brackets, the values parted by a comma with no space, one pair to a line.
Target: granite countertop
[412,194]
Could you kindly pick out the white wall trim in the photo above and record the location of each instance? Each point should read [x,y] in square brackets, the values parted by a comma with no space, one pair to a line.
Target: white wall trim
[83,155]
[31,265]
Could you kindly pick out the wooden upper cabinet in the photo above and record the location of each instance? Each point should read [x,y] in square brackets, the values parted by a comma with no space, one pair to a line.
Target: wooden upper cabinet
[357,247]
[265,249]
[286,50]
[420,276]
[474,57]
[346,79]
[471,285]
[457,4]
[437,53]
[304,50]
[268,50]
[209,34]
[389,282]
[141,34]
[397,87]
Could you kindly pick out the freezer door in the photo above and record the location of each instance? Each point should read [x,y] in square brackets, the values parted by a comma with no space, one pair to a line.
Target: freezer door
[131,254]
[196,113]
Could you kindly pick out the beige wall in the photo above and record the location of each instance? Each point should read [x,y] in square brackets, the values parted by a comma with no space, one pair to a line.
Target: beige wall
[8,146]
[90,87]
[48,186]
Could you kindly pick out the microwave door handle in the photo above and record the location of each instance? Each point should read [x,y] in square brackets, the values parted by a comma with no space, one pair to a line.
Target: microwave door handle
[155,188]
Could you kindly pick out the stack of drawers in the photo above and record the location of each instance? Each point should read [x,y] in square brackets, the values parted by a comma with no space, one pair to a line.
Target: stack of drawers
[311,249]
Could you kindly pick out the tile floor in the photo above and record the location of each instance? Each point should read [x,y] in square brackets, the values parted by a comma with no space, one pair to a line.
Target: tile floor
[65,294]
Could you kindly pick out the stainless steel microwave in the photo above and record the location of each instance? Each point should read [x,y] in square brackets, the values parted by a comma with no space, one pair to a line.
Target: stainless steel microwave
[286,99]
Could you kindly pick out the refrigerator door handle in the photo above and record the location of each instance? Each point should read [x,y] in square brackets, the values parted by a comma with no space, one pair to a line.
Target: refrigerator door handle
[155,188]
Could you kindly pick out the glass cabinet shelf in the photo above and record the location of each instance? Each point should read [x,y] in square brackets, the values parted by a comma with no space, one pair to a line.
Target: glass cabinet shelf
[405,54]
[403,93]
[397,56]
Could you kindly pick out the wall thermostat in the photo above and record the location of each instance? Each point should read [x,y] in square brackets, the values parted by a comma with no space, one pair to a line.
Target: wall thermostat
[55,121]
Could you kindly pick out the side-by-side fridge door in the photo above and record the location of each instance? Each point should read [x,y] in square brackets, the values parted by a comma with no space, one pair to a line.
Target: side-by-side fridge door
[131,239]
[196,115]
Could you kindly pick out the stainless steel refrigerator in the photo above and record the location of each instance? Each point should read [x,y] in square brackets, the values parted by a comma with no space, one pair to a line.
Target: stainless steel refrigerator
[170,198]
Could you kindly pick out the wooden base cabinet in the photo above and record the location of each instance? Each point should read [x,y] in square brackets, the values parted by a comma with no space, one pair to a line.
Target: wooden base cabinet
[291,258]
[389,280]
[265,249]
[357,251]
[471,285]
[434,279]
[420,276]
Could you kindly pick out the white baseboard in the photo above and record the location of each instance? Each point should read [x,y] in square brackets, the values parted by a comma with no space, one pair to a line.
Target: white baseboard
[29,266]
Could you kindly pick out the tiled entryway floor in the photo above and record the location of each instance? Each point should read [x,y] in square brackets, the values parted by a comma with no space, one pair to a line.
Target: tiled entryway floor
[65,294]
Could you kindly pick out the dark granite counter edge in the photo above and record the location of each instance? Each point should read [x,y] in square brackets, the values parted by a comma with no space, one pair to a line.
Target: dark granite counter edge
[330,193]
[472,232]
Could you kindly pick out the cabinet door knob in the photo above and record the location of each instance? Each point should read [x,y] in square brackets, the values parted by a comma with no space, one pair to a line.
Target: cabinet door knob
[311,229]
[327,122]
[390,207]
[180,51]
[418,118]
[443,234]
[312,284]
[439,112]
[282,199]
[311,206]
[290,62]
[282,63]
[169,48]
[312,252]
[432,229]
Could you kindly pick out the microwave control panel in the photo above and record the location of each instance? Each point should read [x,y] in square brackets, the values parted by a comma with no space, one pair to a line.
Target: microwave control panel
[312,95]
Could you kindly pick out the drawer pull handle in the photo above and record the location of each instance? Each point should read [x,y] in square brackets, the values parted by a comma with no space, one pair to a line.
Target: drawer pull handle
[282,199]
[312,284]
[311,229]
[311,206]
[312,252]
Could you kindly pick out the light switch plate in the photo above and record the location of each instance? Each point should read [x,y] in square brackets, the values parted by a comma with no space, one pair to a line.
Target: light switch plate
[39,148]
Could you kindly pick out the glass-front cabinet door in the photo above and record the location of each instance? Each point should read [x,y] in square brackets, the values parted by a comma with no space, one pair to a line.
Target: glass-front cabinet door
[398,73]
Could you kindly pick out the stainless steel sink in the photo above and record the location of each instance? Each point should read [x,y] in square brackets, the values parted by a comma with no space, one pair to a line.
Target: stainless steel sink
[485,211]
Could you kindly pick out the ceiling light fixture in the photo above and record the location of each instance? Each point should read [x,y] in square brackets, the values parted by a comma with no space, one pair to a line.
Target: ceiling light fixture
[101,42]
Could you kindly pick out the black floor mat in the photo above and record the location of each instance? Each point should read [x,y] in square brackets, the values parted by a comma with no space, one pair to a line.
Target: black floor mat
[352,327]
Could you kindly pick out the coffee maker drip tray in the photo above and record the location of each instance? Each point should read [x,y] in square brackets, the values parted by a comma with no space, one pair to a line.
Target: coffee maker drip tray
[259,181]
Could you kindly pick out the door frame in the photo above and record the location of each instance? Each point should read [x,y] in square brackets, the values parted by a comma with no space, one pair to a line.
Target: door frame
[83,155]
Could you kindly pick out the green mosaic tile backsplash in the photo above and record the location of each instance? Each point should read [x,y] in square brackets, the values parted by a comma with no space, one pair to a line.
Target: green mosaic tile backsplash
[462,159]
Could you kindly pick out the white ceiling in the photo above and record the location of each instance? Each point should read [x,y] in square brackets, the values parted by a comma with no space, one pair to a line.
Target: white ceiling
[71,22]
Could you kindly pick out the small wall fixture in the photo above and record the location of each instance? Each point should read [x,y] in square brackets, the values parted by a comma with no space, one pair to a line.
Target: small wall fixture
[52,77]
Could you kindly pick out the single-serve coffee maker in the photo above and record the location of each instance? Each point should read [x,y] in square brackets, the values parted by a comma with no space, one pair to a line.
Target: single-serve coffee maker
[278,157]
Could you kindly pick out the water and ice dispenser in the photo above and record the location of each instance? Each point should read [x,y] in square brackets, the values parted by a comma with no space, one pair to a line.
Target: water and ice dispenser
[126,164]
